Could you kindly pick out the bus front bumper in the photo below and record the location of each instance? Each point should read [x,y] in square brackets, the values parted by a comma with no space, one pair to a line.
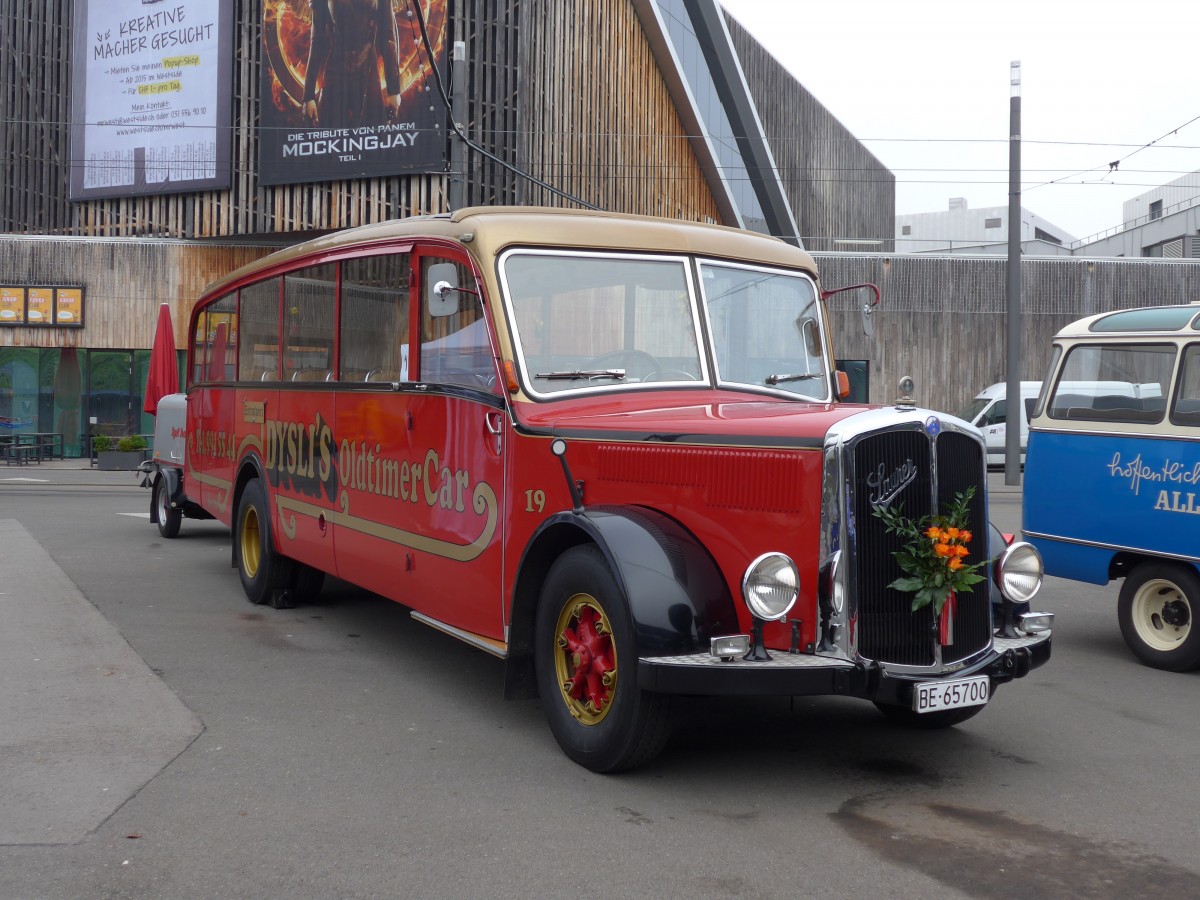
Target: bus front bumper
[799,674]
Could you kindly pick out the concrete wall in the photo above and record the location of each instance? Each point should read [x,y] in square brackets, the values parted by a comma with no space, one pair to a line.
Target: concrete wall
[943,319]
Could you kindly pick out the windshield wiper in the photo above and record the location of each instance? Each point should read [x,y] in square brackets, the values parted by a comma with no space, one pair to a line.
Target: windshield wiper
[575,374]
[780,379]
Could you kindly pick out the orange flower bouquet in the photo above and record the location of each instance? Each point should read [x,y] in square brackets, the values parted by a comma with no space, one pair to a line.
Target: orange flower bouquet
[933,555]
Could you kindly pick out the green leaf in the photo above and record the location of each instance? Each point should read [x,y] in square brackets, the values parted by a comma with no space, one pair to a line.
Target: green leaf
[922,599]
[907,584]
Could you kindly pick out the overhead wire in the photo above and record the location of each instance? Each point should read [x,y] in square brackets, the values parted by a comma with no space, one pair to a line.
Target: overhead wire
[1115,164]
[457,128]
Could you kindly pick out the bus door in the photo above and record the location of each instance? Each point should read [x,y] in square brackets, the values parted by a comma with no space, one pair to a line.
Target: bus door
[459,429]
[435,453]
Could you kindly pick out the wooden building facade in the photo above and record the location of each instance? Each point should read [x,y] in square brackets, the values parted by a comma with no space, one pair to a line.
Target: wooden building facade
[571,92]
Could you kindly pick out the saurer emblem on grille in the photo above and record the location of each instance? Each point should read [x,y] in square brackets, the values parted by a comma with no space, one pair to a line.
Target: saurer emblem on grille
[884,487]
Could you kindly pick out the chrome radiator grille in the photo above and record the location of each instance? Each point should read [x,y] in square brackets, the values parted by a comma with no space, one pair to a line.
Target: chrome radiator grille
[941,466]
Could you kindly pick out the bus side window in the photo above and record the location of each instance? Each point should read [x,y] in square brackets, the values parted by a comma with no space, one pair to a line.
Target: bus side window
[222,337]
[200,347]
[1185,409]
[308,323]
[258,344]
[374,334]
[455,348]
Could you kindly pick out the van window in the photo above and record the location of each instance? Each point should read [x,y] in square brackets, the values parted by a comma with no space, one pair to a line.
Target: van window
[978,405]
[997,414]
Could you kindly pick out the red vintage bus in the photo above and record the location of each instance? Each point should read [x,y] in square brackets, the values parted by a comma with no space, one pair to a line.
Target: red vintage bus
[610,450]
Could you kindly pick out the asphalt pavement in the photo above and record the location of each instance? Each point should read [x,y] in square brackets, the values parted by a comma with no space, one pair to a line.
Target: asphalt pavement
[87,722]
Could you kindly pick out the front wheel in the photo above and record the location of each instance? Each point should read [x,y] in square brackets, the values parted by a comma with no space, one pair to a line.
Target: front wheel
[910,718]
[586,663]
[169,518]
[264,572]
[1156,611]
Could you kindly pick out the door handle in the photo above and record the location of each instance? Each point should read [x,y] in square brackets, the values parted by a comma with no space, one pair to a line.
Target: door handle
[494,423]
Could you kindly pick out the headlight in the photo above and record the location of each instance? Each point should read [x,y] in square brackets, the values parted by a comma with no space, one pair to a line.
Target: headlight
[1019,572]
[770,586]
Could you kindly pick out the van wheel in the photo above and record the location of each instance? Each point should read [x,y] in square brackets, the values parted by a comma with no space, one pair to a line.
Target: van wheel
[586,664]
[169,518]
[264,572]
[1157,610]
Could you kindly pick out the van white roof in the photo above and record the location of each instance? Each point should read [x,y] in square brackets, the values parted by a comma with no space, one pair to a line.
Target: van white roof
[992,391]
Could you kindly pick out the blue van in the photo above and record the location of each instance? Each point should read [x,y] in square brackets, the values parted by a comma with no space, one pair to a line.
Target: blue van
[1112,472]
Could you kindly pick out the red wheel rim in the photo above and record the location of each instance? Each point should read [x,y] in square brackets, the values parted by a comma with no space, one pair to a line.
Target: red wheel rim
[585,659]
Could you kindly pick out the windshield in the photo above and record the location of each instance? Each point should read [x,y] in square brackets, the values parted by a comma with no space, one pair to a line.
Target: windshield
[976,407]
[766,329]
[602,321]
[605,321]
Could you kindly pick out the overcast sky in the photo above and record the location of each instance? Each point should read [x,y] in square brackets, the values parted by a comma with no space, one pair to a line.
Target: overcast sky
[924,84]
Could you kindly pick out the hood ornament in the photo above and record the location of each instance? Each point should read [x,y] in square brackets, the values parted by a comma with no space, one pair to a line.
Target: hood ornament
[905,400]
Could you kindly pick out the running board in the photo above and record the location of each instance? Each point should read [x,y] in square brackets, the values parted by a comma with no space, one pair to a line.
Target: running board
[496,648]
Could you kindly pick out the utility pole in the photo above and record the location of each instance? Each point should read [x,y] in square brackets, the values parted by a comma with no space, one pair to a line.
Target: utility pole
[1012,430]
[458,108]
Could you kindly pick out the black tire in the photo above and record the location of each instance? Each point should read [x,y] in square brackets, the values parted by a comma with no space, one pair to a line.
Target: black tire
[629,726]
[265,573]
[1157,611]
[306,583]
[947,718]
[169,518]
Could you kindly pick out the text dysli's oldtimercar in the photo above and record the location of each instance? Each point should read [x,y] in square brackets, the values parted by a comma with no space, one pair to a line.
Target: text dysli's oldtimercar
[609,450]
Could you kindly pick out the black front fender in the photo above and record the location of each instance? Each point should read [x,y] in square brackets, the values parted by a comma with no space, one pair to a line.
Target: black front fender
[677,596]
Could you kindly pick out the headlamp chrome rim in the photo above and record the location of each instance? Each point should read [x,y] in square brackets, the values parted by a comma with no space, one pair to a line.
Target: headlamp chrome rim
[772,573]
[1019,572]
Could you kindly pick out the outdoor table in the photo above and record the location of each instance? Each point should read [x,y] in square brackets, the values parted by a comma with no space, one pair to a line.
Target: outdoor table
[19,449]
[49,443]
[31,446]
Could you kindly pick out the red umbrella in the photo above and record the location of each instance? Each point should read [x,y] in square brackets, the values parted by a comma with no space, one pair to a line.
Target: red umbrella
[163,377]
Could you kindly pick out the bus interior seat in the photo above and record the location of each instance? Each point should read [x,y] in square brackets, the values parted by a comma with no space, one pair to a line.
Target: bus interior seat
[310,375]
[1116,401]
[1064,404]
[1186,412]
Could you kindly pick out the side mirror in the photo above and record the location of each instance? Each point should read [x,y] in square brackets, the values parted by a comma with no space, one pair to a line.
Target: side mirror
[441,290]
[867,310]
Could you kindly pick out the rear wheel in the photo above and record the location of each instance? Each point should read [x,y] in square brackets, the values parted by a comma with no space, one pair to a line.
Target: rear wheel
[264,572]
[586,665]
[169,518]
[1157,610]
